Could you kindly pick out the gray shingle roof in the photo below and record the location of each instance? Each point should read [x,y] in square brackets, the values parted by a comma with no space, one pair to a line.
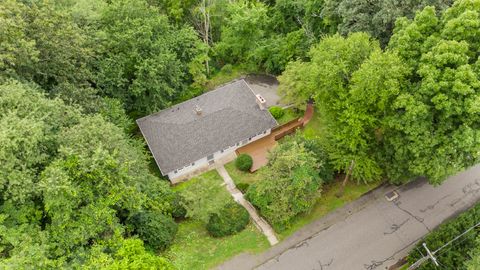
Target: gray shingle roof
[177,136]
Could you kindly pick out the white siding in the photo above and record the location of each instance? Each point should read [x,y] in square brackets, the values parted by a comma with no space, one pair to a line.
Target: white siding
[203,162]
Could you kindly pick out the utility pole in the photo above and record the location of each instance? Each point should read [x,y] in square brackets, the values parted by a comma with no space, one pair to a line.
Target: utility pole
[434,260]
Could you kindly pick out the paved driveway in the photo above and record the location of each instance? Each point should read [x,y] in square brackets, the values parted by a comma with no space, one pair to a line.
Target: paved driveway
[370,233]
[266,86]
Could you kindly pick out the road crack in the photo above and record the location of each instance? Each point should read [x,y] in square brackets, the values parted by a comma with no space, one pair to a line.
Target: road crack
[432,206]
[395,227]
[417,218]
[324,265]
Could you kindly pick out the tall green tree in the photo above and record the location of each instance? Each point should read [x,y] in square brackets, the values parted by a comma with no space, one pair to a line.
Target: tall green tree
[290,184]
[68,181]
[244,27]
[145,61]
[376,17]
[435,131]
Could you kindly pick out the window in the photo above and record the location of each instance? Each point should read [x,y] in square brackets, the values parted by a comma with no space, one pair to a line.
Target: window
[221,151]
[193,164]
[176,171]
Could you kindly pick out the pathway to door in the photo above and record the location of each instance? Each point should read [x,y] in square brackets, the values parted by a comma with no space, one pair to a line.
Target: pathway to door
[237,195]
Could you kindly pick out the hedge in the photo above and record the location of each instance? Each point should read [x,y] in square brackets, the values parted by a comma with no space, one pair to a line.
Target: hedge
[244,162]
[276,112]
[231,219]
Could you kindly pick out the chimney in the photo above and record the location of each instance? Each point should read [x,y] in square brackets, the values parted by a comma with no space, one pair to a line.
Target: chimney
[262,103]
[198,110]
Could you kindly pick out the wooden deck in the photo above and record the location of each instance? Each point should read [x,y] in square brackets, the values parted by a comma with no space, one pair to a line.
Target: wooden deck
[258,149]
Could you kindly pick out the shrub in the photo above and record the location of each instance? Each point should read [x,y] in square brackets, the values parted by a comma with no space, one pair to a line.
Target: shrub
[244,162]
[178,208]
[243,187]
[154,228]
[232,218]
[276,112]
[228,68]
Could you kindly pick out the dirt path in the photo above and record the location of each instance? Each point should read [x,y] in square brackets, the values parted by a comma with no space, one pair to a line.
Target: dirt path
[237,195]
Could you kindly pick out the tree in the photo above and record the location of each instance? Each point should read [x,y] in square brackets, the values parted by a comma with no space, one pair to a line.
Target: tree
[289,184]
[30,123]
[357,132]
[375,17]
[67,180]
[435,129]
[244,26]
[352,83]
[325,77]
[155,229]
[146,62]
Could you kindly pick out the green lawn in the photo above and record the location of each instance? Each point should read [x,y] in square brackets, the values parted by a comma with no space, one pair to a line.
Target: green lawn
[289,115]
[193,247]
[315,128]
[210,177]
[240,176]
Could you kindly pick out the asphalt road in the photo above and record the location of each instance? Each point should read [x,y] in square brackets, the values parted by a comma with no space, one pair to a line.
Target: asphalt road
[370,233]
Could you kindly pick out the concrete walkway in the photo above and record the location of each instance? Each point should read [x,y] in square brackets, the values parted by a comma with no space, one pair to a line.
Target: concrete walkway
[369,233]
[237,195]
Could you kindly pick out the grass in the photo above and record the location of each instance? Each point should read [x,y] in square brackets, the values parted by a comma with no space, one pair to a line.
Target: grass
[329,202]
[316,127]
[211,177]
[193,247]
[289,115]
[240,176]
[223,77]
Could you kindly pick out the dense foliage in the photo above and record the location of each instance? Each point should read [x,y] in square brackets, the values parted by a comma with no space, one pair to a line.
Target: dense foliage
[455,255]
[244,162]
[411,110]
[154,228]
[290,184]
[277,112]
[376,18]
[474,262]
[67,181]
[397,84]
[232,218]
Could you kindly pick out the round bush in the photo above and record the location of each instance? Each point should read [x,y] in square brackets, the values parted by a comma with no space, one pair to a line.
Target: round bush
[154,228]
[244,162]
[243,187]
[228,68]
[276,112]
[231,219]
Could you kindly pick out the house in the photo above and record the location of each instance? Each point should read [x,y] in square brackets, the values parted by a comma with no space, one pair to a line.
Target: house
[191,136]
